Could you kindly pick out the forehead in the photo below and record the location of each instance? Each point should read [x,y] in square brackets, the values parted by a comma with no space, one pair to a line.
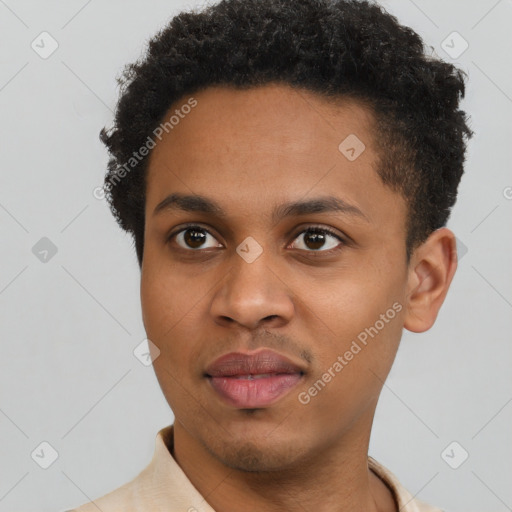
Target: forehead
[255,146]
[273,117]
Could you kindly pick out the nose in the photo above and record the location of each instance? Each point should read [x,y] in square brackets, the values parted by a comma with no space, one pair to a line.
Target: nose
[252,295]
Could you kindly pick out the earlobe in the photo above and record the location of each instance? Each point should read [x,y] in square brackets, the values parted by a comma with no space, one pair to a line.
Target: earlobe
[432,268]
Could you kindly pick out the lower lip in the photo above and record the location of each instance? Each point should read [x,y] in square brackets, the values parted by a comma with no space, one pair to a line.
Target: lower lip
[254,393]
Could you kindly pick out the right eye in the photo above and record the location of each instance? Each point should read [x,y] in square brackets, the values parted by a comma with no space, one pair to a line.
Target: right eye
[194,238]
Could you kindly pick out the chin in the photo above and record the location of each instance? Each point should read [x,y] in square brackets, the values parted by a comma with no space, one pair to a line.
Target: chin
[264,456]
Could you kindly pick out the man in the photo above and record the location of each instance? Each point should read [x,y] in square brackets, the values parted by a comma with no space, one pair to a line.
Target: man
[287,169]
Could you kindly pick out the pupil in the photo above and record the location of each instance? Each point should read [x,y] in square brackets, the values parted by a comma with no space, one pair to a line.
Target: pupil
[194,238]
[314,240]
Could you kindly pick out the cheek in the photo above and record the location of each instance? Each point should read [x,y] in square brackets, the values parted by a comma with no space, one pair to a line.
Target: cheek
[171,305]
[359,319]
[167,299]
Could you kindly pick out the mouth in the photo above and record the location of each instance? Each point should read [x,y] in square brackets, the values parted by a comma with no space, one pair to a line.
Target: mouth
[251,381]
[254,391]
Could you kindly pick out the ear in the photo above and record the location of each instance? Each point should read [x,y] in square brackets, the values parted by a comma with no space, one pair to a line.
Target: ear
[431,270]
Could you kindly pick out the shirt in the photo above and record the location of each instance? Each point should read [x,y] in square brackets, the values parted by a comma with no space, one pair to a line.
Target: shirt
[163,487]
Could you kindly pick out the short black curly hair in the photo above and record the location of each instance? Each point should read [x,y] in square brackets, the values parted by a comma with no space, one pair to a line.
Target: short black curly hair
[335,48]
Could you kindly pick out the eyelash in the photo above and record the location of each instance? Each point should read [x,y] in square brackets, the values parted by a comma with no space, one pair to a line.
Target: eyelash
[310,229]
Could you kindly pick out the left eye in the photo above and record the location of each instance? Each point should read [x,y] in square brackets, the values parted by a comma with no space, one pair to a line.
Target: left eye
[317,239]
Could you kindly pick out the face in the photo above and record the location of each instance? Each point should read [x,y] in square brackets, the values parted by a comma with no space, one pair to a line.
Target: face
[274,239]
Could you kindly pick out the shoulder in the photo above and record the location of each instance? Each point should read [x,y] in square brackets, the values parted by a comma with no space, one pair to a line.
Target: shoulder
[160,487]
[123,498]
[404,499]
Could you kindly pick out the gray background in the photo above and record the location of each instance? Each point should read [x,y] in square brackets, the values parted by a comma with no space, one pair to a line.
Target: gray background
[68,375]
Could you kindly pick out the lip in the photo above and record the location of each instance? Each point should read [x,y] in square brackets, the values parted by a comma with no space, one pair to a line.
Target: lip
[253,380]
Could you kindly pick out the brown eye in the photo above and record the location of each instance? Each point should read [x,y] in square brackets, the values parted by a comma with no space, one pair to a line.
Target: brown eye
[317,239]
[195,237]
[314,240]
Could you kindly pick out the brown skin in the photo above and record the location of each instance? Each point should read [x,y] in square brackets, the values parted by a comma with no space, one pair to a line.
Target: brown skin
[250,151]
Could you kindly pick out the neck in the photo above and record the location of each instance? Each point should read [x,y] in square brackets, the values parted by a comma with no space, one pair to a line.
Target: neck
[335,480]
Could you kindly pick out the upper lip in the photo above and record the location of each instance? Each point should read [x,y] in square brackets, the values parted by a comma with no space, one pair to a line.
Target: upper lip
[256,363]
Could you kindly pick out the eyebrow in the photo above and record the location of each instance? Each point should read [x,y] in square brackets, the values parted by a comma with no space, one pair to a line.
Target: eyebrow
[201,204]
